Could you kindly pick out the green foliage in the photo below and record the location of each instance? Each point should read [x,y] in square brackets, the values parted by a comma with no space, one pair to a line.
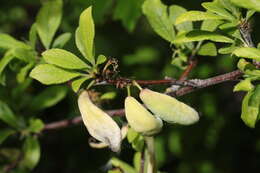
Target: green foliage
[218,29]
[248,52]
[200,35]
[128,11]
[49,74]
[31,149]
[85,35]
[251,4]
[61,40]
[64,59]
[208,49]
[196,16]
[48,21]
[156,13]
[250,107]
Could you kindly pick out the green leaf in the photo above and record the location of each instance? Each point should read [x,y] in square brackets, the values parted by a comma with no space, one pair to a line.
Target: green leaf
[199,35]
[85,35]
[231,7]
[26,55]
[138,143]
[49,74]
[196,16]
[64,59]
[8,42]
[131,135]
[175,12]
[244,65]
[4,134]
[250,4]
[22,74]
[244,85]
[249,14]
[8,56]
[7,115]
[128,11]
[33,35]
[248,52]
[122,165]
[61,40]
[227,50]
[108,96]
[208,49]
[248,68]
[48,97]
[101,59]
[79,42]
[35,125]
[48,21]
[217,8]
[250,107]
[210,25]
[156,13]
[78,82]
[32,152]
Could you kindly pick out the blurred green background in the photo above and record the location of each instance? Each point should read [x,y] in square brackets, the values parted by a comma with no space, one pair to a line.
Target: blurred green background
[219,142]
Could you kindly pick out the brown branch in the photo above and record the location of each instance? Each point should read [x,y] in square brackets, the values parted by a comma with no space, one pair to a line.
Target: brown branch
[208,82]
[185,74]
[199,83]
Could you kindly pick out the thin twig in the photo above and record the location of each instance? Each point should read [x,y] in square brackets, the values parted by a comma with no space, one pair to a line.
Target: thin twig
[208,82]
[185,74]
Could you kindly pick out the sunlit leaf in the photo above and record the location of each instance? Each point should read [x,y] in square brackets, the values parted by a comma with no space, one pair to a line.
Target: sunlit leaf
[197,16]
[215,7]
[244,85]
[101,59]
[49,74]
[85,35]
[208,49]
[248,52]
[61,40]
[64,59]
[48,21]
[199,35]
[156,13]
[8,42]
[175,11]
[251,4]
[78,82]
[33,35]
